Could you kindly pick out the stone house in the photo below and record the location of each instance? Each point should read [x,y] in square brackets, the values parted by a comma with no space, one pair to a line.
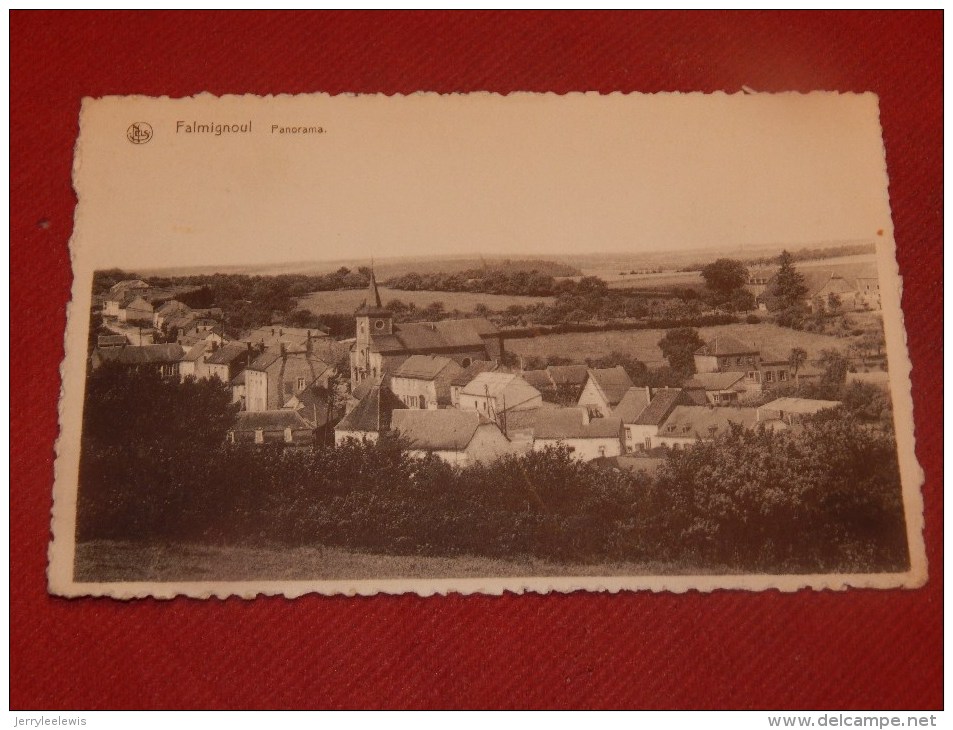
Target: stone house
[277,374]
[424,381]
[370,417]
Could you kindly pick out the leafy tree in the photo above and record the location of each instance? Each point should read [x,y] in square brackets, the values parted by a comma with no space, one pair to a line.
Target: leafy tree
[834,303]
[678,346]
[724,277]
[835,367]
[636,369]
[797,359]
[788,288]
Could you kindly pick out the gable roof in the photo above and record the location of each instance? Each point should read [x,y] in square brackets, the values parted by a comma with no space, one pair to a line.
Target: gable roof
[613,382]
[173,305]
[441,430]
[552,424]
[568,374]
[447,335]
[472,370]
[702,421]
[635,400]
[663,402]
[726,345]
[501,385]
[312,403]
[714,381]
[373,413]
[424,367]
[539,379]
[142,354]
[277,420]
[226,354]
[195,352]
[111,340]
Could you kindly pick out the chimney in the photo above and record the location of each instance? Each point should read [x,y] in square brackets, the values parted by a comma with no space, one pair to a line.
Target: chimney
[307,347]
[272,331]
[281,333]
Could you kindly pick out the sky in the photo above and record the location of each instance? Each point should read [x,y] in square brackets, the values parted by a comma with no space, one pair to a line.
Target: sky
[473,174]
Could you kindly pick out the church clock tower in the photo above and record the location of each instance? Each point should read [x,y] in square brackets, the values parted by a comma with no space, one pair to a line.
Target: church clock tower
[372,320]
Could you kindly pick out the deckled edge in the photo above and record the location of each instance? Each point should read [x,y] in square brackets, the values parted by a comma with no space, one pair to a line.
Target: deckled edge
[61,550]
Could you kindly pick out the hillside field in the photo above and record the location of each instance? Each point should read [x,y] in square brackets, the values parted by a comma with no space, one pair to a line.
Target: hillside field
[643,344]
[347,300]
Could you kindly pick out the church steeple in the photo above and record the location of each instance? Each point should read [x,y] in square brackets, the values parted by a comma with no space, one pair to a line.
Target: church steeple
[372,319]
[373,296]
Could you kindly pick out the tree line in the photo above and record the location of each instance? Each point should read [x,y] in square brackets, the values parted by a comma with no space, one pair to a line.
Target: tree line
[825,499]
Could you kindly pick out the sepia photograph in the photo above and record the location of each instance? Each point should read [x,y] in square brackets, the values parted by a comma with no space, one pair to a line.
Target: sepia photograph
[482,343]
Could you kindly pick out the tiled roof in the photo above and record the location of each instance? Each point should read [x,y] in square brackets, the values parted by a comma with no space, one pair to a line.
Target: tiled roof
[714,381]
[142,354]
[195,352]
[447,334]
[635,400]
[539,379]
[703,421]
[568,374]
[313,404]
[614,382]
[569,423]
[472,370]
[373,413]
[502,385]
[448,429]
[800,405]
[111,340]
[173,305]
[226,354]
[277,420]
[661,405]
[726,345]
[424,367]
[239,379]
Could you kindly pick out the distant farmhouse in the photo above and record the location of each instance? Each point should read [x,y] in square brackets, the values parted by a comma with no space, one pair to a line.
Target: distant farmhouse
[854,287]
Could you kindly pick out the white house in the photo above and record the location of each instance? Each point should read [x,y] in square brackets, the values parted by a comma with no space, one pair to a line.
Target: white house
[642,428]
[687,425]
[604,389]
[586,438]
[457,437]
[493,393]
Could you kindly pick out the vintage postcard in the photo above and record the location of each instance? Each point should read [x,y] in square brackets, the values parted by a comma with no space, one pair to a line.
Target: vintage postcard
[483,343]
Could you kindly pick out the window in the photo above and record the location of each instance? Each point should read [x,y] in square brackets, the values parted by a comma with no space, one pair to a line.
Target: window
[231,437]
[300,384]
[466,362]
[289,437]
[259,436]
[379,324]
[768,376]
[782,375]
[602,451]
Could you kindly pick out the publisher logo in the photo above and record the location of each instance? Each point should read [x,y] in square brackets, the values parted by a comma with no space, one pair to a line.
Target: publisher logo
[139,132]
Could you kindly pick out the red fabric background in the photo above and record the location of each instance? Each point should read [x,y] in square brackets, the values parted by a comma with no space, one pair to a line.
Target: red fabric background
[862,649]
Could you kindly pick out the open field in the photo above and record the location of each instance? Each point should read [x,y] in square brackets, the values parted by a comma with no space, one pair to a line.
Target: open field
[347,300]
[844,265]
[110,561]
[643,344]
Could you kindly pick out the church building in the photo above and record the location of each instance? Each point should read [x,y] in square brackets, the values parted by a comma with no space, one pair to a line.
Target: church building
[381,346]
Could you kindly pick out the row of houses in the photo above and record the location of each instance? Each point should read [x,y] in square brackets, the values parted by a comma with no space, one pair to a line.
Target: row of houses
[644,420]
[137,302]
[855,287]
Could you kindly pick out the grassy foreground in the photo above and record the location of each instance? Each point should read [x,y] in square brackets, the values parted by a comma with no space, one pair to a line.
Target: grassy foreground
[110,561]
